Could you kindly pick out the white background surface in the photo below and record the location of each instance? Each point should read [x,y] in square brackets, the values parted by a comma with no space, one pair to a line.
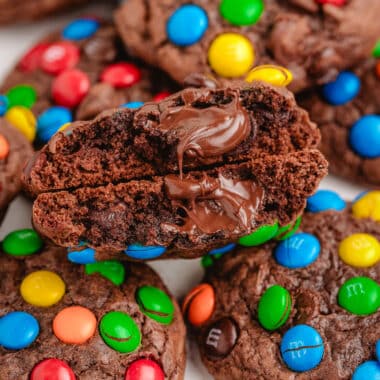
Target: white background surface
[179,275]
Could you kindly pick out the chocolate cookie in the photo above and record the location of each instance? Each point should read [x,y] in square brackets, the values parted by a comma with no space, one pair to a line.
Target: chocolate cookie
[198,170]
[348,114]
[303,308]
[74,74]
[99,321]
[14,152]
[314,39]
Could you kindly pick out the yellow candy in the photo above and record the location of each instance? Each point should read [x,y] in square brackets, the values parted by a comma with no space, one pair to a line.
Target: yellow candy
[23,119]
[63,127]
[231,55]
[276,75]
[42,288]
[368,206]
[360,250]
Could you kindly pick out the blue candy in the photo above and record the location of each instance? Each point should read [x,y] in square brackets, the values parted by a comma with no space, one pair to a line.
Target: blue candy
[3,104]
[132,105]
[296,357]
[51,120]
[324,200]
[365,136]
[369,370]
[299,251]
[137,251]
[222,250]
[187,25]
[378,350]
[18,330]
[85,256]
[345,88]
[80,29]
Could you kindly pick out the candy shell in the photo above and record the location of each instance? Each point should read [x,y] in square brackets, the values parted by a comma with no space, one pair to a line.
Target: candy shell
[51,120]
[80,29]
[376,49]
[121,75]
[286,232]
[4,147]
[32,59]
[260,236]
[132,105]
[111,270]
[3,105]
[369,370]
[144,369]
[378,350]
[222,250]
[52,369]
[22,242]
[275,75]
[324,200]
[23,119]
[242,12]
[337,3]
[84,256]
[21,95]
[140,252]
[161,96]
[341,91]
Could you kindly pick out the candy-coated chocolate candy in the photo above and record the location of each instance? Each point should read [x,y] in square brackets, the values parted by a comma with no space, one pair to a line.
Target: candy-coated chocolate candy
[187,25]
[23,119]
[32,59]
[70,87]
[231,55]
[222,250]
[161,96]
[298,251]
[21,95]
[80,29]
[199,304]
[51,120]
[132,105]
[360,295]
[365,136]
[360,250]
[52,369]
[121,75]
[302,348]
[369,370]
[274,307]
[378,69]
[3,104]
[286,232]
[74,325]
[4,147]
[345,88]
[22,242]
[376,49]
[378,350]
[220,338]
[156,304]
[112,270]
[209,259]
[140,252]
[242,12]
[338,3]
[18,330]
[59,56]
[120,332]
[42,288]
[84,256]
[324,200]
[276,75]
[144,369]
[260,236]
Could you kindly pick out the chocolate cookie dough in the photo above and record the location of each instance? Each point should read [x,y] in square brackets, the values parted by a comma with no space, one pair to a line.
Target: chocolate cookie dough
[188,174]
[314,39]
[15,150]
[99,321]
[76,73]
[348,114]
[303,308]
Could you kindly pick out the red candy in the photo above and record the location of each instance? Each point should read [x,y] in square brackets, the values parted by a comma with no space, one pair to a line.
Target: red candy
[161,96]
[59,57]
[32,59]
[378,69]
[338,3]
[144,369]
[121,75]
[52,369]
[70,87]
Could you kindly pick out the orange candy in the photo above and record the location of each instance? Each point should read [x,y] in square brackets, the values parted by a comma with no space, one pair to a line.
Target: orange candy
[74,325]
[4,147]
[199,304]
[378,69]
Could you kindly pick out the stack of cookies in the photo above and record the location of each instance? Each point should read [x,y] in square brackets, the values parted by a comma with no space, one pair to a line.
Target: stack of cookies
[194,130]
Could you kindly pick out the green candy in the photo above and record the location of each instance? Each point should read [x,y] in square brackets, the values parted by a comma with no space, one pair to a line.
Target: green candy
[274,307]
[286,232]
[360,295]
[111,270]
[120,332]
[209,260]
[21,95]
[376,50]
[156,304]
[23,242]
[260,236]
[242,12]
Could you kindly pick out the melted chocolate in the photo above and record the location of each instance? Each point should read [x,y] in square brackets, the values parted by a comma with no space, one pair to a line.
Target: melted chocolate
[199,80]
[233,207]
[206,132]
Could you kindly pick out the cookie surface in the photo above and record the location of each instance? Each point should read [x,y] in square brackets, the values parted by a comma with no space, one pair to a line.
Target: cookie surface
[296,309]
[313,39]
[350,129]
[99,321]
